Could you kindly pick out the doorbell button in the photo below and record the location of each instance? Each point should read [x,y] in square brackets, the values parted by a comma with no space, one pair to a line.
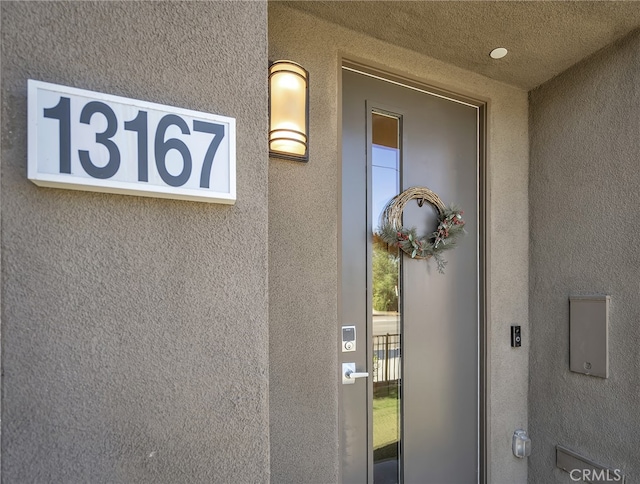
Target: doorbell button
[516,336]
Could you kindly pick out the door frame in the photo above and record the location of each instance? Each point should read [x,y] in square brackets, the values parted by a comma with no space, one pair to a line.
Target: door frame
[482,106]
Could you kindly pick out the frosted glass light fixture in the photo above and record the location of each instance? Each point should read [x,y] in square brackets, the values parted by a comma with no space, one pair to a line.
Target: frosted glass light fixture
[288,111]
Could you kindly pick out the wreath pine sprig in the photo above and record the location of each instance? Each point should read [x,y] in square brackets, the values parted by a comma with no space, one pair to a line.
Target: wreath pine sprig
[450,228]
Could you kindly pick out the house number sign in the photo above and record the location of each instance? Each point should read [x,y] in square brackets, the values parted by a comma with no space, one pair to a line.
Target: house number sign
[85,140]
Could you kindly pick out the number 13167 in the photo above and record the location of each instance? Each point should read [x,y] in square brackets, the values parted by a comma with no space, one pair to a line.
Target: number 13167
[91,141]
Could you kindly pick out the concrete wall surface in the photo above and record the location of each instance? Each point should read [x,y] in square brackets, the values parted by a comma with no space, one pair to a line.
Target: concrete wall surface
[303,244]
[585,233]
[135,330]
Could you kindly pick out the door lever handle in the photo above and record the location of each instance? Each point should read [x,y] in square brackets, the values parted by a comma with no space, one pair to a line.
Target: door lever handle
[350,375]
[356,374]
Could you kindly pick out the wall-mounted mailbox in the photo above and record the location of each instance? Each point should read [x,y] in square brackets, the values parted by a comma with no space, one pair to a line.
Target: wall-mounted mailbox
[589,335]
[585,470]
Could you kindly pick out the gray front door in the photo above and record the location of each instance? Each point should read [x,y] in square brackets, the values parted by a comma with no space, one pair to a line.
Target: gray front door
[415,418]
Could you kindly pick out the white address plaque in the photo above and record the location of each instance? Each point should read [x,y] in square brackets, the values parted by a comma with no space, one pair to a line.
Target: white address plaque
[86,140]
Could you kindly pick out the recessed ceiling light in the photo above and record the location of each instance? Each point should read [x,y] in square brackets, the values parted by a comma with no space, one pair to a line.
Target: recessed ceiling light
[498,53]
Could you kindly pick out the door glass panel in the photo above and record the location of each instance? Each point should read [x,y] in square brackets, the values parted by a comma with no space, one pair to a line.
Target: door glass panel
[385,181]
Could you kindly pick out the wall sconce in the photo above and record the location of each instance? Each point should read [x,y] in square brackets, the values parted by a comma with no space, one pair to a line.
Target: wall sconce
[288,111]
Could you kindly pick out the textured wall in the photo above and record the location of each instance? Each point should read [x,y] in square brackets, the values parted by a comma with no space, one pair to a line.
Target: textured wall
[585,126]
[135,329]
[303,275]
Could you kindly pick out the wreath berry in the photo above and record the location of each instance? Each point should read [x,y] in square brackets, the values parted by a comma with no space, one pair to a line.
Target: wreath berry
[450,227]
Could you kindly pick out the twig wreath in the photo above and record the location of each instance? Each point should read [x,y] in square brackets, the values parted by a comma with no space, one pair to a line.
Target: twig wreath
[450,227]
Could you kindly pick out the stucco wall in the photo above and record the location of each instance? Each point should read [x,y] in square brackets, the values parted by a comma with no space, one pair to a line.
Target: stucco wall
[135,331]
[303,242]
[584,198]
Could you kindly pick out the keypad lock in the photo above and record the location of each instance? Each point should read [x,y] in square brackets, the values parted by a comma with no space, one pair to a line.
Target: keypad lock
[348,339]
